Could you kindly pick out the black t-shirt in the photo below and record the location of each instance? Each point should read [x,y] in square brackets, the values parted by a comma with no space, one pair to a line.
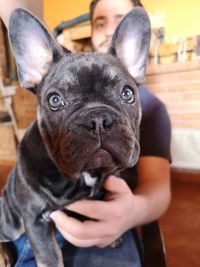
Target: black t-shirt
[155,131]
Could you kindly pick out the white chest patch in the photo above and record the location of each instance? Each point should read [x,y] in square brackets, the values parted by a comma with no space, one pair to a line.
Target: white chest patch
[89,180]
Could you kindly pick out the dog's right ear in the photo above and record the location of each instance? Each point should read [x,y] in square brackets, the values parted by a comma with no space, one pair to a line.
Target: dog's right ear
[33,47]
[131,41]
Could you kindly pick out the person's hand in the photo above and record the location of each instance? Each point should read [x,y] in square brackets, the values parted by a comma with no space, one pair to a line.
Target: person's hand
[111,218]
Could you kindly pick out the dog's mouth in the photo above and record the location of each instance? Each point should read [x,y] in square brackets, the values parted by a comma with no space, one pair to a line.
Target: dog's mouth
[100,162]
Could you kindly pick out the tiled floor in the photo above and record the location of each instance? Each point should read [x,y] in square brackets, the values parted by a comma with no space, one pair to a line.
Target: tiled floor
[181,223]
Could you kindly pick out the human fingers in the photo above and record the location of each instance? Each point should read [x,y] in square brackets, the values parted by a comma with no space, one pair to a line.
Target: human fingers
[94,209]
[77,241]
[80,230]
[116,185]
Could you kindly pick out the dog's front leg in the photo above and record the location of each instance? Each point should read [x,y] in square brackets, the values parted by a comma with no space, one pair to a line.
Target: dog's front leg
[44,245]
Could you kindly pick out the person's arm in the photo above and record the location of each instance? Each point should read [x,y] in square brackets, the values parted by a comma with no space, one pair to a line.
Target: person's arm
[153,187]
[6,7]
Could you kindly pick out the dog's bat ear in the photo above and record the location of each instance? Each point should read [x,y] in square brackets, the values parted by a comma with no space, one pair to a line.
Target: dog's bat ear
[33,47]
[131,41]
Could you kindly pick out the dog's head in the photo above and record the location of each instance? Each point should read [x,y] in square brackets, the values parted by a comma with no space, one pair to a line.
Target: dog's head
[88,105]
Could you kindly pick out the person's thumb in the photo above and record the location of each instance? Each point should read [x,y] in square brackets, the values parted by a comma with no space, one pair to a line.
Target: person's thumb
[115,184]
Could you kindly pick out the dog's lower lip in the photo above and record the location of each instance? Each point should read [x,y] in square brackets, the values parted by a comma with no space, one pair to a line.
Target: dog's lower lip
[92,170]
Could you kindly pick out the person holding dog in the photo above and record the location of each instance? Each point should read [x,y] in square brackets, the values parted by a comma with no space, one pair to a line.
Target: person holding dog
[146,193]
[148,200]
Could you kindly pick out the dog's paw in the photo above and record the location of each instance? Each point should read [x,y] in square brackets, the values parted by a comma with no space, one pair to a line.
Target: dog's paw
[117,243]
[5,259]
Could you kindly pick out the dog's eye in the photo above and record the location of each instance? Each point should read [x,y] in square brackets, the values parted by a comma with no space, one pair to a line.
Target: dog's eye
[55,102]
[128,95]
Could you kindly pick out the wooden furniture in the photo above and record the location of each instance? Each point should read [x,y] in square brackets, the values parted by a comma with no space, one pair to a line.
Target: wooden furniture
[150,243]
[17,106]
[75,34]
[153,246]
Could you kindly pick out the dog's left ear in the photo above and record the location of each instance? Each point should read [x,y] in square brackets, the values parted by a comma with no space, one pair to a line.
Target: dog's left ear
[33,47]
[131,42]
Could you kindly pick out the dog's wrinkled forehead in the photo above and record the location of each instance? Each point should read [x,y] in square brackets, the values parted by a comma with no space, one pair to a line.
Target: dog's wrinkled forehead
[86,76]
[107,65]
[86,71]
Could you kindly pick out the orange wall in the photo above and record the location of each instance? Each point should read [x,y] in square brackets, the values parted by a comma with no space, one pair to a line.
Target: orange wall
[62,10]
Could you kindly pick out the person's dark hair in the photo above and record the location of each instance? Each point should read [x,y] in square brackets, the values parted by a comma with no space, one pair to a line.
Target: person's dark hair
[94,3]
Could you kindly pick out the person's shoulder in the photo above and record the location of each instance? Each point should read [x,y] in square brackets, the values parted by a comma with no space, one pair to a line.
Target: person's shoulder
[149,101]
[146,96]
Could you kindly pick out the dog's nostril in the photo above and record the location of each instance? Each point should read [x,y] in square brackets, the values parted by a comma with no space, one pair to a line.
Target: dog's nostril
[107,123]
[93,125]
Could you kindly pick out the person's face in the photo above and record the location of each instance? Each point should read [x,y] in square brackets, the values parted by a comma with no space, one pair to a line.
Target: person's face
[106,17]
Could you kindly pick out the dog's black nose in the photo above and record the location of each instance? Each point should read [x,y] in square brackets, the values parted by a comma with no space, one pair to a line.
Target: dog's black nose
[100,123]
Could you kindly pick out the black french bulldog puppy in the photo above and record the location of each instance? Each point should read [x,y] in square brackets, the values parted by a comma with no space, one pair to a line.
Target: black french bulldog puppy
[87,125]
